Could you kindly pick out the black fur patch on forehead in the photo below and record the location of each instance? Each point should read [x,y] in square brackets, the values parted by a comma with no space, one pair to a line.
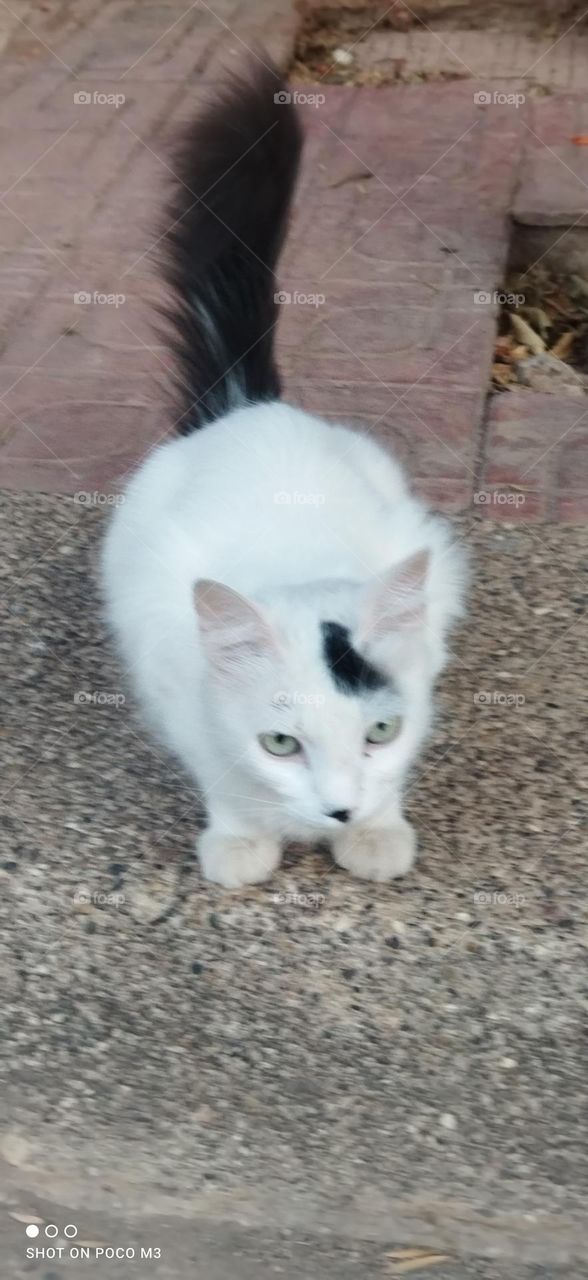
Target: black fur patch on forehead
[351,672]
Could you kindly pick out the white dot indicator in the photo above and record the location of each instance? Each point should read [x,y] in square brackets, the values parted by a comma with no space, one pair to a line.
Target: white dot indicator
[70,1231]
[51,1230]
[32,1230]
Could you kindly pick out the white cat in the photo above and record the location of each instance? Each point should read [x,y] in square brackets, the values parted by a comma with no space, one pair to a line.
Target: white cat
[279,597]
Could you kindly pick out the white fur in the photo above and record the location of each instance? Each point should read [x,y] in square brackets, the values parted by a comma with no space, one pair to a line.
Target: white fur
[309,522]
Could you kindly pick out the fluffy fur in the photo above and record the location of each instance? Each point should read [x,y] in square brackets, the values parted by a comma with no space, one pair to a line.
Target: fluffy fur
[271,574]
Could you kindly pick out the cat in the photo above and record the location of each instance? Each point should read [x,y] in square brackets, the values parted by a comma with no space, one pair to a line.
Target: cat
[281,600]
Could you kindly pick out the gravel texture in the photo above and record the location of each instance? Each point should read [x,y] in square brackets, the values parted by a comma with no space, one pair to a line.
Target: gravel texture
[391,1063]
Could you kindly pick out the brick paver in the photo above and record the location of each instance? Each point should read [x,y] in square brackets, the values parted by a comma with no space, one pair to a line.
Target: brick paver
[543,42]
[553,189]
[401,220]
[537,453]
[560,63]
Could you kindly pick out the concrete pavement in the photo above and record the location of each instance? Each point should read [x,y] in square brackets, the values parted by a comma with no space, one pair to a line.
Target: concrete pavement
[374,1068]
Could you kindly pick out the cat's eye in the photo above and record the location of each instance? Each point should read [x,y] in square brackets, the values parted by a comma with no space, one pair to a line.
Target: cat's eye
[280,744]
[383,731]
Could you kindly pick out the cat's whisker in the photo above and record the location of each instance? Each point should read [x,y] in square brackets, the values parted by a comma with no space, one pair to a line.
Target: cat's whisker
[257,800]
[277,805]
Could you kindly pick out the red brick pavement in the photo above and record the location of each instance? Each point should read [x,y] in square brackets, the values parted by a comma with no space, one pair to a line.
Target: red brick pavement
[402,217]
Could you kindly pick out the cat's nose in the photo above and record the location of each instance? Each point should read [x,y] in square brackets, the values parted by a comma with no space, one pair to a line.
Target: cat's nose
[342,815]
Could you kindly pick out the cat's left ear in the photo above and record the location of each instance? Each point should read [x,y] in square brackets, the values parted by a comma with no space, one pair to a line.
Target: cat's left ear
[395,602]
[233,630]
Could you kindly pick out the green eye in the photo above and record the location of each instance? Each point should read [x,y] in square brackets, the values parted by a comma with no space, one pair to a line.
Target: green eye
[383,730]
[280,744]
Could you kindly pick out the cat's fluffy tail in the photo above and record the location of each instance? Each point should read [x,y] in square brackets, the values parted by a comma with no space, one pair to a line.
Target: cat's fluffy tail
[235,172]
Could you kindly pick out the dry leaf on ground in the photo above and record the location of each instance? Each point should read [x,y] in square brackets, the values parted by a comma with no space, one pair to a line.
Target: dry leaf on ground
[400,1261]
[549,319]
[503,375]
[563,346]
[504,348]
[537,318]
[417,1251]
[527,335]
[351,175]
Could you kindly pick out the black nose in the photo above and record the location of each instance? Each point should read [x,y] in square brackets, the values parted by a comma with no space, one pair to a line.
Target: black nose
[342,815]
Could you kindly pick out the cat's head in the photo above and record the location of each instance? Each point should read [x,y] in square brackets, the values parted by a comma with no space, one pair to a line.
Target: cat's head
[319,694]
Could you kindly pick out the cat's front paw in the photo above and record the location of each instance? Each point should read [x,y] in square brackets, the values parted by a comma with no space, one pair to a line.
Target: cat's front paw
[234,861]
[376,853]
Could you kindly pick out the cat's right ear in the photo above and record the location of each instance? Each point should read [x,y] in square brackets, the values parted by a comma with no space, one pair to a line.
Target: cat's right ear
[233,630]
[395,603]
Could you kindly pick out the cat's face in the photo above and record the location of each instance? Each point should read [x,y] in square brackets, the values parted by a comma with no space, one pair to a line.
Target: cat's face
[322,716]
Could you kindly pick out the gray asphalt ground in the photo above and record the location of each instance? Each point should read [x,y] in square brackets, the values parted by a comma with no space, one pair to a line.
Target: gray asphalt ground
[300,1078]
